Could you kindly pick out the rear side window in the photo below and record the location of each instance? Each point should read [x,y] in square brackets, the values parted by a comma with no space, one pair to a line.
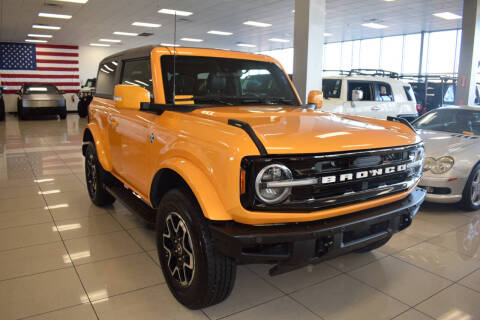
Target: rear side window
[106,79]
[365,86]
[332,88]
[409,92]
[138,72]
[383,92]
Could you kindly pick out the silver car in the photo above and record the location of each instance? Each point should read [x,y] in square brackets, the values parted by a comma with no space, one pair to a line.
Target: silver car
[40,98]
[452,155]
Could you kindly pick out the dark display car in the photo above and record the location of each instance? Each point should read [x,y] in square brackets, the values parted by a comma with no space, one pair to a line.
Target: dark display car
[40,99]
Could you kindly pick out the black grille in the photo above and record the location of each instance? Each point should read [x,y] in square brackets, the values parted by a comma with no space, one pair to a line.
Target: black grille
[325,195]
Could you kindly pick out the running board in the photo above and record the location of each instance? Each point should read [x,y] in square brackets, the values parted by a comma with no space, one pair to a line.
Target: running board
[132,202]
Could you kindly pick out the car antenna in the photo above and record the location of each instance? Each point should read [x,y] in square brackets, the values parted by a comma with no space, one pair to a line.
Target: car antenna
[174,52]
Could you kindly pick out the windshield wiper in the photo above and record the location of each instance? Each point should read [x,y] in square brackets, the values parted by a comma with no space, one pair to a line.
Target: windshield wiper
[213,99]
[289,102]
[270,101]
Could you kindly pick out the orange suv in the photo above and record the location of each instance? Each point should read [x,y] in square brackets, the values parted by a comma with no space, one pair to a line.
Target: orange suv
[215,149]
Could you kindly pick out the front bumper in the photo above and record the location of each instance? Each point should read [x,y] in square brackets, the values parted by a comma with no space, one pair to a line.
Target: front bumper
[440,190]
[295,245]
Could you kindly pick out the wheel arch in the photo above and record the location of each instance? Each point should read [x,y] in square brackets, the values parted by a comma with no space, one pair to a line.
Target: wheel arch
[92,134]
[179,173]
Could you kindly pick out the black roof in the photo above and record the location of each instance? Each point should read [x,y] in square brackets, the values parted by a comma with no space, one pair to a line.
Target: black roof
[143,51]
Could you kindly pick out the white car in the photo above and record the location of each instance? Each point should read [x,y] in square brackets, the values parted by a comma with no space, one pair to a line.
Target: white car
[369,96]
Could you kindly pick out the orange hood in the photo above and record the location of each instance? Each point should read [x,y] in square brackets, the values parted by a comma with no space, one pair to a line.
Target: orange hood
[284,130]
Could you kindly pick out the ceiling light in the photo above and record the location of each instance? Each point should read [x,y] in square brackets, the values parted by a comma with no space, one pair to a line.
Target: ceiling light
[220,33]
[74,1]
[99,45]
[327,34]
[54,15]
[115,63]
[257,24]
[191,39]
[175,12]
[278,40]
[246,45]
[130,34]
[374,25]
[146,24]
[43,26]
[110,40]
[34,35]
[170,45]
[36,40]
[447,16]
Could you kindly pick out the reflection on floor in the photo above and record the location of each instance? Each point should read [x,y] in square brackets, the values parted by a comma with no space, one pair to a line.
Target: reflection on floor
[63,258]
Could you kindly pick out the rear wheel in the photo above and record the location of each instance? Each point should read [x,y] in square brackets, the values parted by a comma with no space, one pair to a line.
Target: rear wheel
[196,273]
[21,111]
[63,113]
[96,178]
[2,109]
[374,245]
[471,193]
[82,108]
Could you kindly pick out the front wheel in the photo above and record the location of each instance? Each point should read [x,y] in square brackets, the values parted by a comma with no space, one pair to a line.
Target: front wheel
[471,193]
[63,113]
[196,273]
[96,178]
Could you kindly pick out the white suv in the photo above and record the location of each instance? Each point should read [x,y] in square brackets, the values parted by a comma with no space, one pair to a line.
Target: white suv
[376,96]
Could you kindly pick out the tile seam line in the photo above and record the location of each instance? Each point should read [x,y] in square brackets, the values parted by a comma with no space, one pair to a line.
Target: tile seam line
[66,249]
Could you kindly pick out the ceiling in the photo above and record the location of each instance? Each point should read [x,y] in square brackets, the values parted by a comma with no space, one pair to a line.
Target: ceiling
[100,18]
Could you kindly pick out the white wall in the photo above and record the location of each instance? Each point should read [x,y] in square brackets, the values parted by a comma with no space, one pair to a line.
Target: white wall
[89,58]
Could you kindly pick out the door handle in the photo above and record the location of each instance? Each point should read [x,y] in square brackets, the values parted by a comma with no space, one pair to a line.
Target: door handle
[375,108]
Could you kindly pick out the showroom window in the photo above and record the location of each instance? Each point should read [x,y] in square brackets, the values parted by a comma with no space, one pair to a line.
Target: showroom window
[138,72]
[106,79]
[364,86]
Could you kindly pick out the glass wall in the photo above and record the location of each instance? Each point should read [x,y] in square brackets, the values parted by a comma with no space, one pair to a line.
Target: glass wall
[400,54]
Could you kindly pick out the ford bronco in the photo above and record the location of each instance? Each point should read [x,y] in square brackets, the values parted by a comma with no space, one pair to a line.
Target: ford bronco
[215,149]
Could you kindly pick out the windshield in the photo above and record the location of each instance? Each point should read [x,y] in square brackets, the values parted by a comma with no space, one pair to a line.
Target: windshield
[222,81]
[450,120]
[40,88]
[331,88]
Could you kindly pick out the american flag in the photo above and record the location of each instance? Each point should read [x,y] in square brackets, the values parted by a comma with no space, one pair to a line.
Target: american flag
[38,63]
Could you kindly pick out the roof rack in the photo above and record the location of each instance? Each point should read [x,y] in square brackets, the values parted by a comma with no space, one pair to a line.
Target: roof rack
[374,72]
[340,72]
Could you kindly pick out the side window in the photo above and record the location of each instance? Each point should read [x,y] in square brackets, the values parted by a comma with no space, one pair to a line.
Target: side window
[409,92]
[138,72]
[106,79]
[332,88]
[383,92]
[365,86]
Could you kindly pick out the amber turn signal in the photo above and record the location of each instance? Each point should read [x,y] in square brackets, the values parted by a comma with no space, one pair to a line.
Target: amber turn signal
[243,189]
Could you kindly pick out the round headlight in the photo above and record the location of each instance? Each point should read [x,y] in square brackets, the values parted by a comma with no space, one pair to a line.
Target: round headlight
[271,173]
[442,165]
[429,163]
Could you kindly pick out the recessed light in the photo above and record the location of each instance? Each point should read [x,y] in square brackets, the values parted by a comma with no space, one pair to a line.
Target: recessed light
[327,34]
[257,24]
[192,39]
[99,45]
[36,40]
[110,40]
[388,0]
[246,45]
[146,24]
[34,35]
[220,33]
[447,16]
[374,25]
[293,11]
[130,34]
[43,26]
[278,40]
[54,15]
[74,1]
[175,12]
[170,45]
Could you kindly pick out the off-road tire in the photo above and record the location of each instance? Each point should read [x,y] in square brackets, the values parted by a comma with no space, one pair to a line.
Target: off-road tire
[213,275]
[22,114]
[63,113]
[82,108]
[2,110]
[374,245]
[467,202]
[96,178]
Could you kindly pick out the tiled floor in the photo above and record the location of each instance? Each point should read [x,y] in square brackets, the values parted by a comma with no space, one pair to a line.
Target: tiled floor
[63,258]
